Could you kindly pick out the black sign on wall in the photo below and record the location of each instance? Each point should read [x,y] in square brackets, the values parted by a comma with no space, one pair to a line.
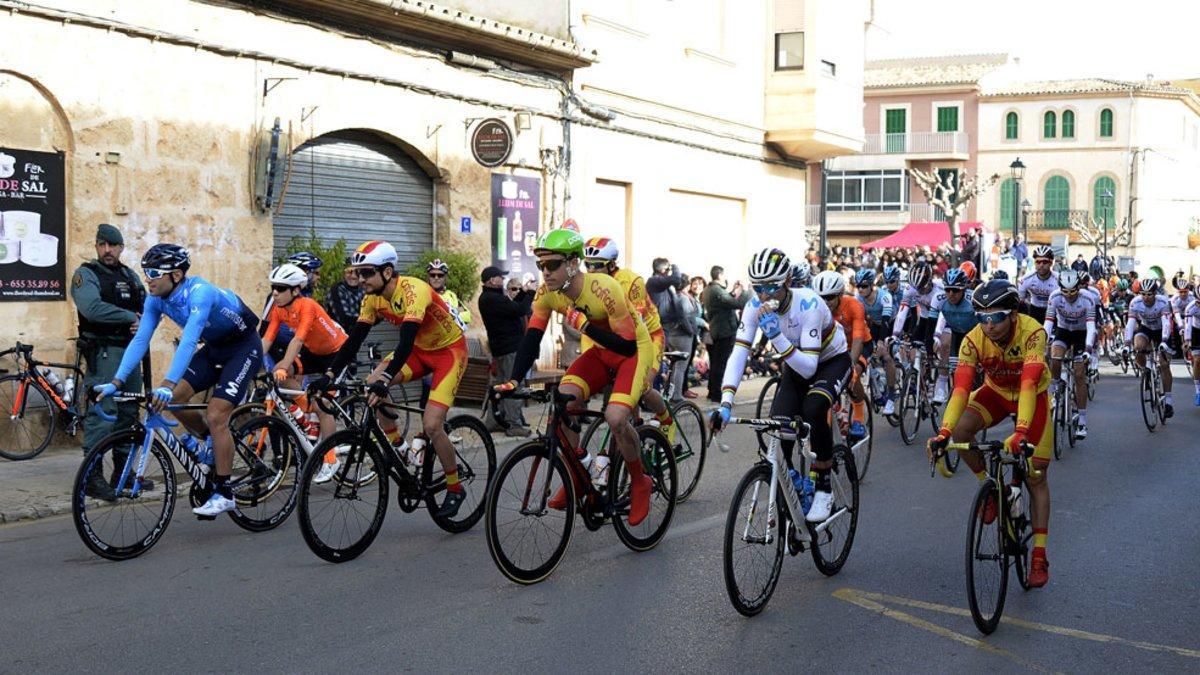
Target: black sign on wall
[33,230]
[491,142]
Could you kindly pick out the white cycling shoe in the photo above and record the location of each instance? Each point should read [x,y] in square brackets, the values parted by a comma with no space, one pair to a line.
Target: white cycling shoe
[889,408]
[822,506]
[940,395]
[215,506]
[329,469]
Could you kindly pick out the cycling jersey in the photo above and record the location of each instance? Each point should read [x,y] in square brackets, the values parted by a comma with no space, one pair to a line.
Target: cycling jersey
[881,310]
[602,301]
[853,318]
[959,318]
[928,304]
[1072,315]
[1036,291]
[320,333]
[1179,305]
[635,290]
[1155,319]
[415,301]
[808,337]
[456,306]
[215,315]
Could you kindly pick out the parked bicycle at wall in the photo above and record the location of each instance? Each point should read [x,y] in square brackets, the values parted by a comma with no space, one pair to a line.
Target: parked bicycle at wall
[37,399]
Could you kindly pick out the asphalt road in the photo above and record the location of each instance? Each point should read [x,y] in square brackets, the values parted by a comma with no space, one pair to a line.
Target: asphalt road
[210,597]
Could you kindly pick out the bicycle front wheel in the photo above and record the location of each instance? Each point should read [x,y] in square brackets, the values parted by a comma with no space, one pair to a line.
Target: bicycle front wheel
[266,468]
[910,407]
[763,408]
[342,506]
[475,455]
[987,563]
[27,418]
[833,539]
[691,446]
[754,545]
[133,520]
[658,463]
[1149,405]
[525,537]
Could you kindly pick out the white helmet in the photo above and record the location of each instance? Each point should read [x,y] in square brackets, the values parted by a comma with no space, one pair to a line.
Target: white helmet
[288,274]
[375,253]
[829,284]
[1069,280]
[769,265]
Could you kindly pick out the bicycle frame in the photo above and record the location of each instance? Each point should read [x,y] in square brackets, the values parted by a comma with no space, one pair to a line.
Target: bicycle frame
[34,376]
[158,427]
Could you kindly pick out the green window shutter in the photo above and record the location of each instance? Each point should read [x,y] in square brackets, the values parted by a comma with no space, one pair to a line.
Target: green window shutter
[1057,202]
[947,119]
[895,128]
[1103,207]
[1049,122]
[1106,123]
[1010,126]
[1068,124]
[1008,195]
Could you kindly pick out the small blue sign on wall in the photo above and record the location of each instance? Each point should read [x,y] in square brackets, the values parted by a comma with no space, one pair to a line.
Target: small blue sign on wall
[465,225]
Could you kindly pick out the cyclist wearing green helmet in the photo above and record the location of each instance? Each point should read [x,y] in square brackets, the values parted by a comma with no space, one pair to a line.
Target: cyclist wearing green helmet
[597,306]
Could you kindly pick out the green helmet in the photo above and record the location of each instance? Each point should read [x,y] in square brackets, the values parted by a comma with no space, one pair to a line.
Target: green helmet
[565,242]
[1123,284]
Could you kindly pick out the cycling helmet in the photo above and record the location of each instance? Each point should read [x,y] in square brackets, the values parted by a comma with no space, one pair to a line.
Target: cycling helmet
[305,261]
[956,279]
[600,248]
[1043,251]
[801,275]
[1069,280]
[891,274]
[999,274]
[437,265]
[375,253]
[864,276]
[921,275]
[1179,283]
[1122,284]
[969,269]
[166,257]
[1151,285]
[995,294]
[769,265]
[565,242]
[829,284]
[1084,278]
[288,274]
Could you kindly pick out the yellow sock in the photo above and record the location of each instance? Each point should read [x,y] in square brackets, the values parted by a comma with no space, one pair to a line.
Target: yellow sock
[981,475]
[393,435]
[1039,538]
[860,411]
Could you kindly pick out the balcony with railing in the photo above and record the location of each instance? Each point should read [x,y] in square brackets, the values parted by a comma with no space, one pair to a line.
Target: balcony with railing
[1056,219]
[849,218]
[920,144]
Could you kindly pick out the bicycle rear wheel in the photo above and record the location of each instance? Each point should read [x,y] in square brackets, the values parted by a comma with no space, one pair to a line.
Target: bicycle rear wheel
[129,525]
[1060,424]
[753,551]
[476,458]
[526,539]
[266,468]
[658,462]
[833,539]
[341,516]
[863,449]
[986,561]
[910,407]
[763,408]
[691,446]
[1149,405]
[1072,409]
[27,418]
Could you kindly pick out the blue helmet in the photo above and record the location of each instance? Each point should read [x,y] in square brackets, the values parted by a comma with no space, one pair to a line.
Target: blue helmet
[1000,274]
[166,257]
[305,261]
[891,273]
[864,277]
[801,275]
[956,279]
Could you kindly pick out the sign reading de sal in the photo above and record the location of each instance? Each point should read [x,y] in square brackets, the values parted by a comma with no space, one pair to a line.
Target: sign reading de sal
[32,226]
[491,142]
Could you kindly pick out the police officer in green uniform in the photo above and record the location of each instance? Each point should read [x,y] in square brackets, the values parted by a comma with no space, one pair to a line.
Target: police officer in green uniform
[109,297]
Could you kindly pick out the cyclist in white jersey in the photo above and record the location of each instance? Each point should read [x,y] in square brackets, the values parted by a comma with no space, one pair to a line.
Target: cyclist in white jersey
[1191,318]
[1071,324]
[816,363]
[926,295]
[1149,324]
[1086,286]
[1036,287]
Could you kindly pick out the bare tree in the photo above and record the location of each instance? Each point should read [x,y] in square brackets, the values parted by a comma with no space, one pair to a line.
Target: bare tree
[940,192]
[1091,230]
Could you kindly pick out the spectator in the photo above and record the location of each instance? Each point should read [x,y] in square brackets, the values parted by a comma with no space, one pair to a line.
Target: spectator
[1020,253]
[344,298]
[504,320]
[721,307]
[1079,265]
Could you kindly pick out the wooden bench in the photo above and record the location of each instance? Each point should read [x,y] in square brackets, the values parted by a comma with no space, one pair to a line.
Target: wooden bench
[473,388]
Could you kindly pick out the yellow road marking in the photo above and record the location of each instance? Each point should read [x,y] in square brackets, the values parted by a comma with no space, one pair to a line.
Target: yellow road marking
[859,598]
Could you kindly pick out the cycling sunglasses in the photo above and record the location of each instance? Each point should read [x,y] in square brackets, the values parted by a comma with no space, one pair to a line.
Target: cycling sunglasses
[766,289]
[280,288]
[551,265]
[595,265]
[1043,261]
[991,318]
[436,275]
[155,274]
[866,286]
[365,272]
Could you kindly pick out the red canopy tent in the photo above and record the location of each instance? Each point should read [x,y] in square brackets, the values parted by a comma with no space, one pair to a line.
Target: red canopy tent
[920,234]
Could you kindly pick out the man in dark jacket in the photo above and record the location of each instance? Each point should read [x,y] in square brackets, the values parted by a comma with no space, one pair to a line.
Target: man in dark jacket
[678,321]
[721,308]
[345,298]
[504,320]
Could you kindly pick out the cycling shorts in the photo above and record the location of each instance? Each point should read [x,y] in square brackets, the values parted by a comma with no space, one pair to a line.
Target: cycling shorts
[308,363]
[924,333]
[1196,341]
[597,368]
[880,332]
[228,368]
[956,340]
[1154,335]
[1073,340]
[659,339]
[995,407]
[447,366]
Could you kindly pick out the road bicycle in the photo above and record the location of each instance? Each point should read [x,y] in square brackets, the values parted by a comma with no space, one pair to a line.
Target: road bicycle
[1151,388]
[766,515]
[691,434]
[263,480]
[842,418]
[526,537]
[1066,411]
[340,517]
[877,387]
[36,400]
[916,391]
[1004,542]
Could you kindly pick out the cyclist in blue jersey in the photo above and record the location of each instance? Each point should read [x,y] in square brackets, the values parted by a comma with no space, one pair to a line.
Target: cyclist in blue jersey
[231,355]
[877,302]
[957,315]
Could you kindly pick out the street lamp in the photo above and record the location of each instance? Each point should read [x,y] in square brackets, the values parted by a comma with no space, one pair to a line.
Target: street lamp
[1025,207]
[1106,198]
[1017,171]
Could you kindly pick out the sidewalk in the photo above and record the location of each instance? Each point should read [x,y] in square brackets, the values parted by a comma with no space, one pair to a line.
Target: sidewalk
[41,487]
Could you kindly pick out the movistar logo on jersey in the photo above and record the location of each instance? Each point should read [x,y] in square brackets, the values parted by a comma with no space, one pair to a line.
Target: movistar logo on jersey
[808,304]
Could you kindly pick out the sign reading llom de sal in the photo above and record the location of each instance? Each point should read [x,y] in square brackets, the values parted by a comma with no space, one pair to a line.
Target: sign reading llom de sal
[32,226]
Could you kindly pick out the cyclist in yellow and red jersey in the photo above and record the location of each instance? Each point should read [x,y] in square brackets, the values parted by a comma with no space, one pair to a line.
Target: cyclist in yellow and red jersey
[431,341]
[597,306]
[1011,349]
[600,256]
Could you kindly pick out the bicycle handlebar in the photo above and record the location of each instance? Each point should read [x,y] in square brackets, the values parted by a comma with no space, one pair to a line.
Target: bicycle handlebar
[128,396]
[1027,448]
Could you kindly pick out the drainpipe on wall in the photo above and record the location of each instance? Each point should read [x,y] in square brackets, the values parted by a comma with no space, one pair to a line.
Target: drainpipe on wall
[823,245]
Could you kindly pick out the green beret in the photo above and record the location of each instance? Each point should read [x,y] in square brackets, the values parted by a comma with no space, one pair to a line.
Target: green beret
[109,234]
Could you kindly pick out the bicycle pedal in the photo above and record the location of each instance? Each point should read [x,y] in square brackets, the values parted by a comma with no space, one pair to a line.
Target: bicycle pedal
[206,517]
